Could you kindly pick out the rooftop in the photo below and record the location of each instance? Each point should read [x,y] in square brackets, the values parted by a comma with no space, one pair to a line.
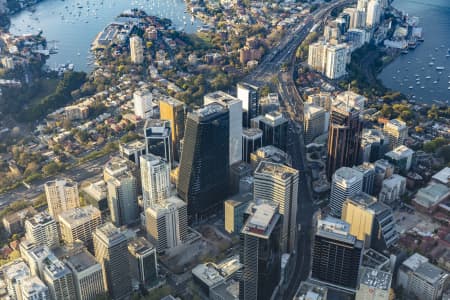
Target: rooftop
[110,234]
[363,199]
[171,101]
[77,216]
[15,270]
[344,107]
[311,291]
[239,199]
[54,267]
[140,246]
[132,146]
[32,285]
[221,97]
[443,176]
[397,123]
[432,194]
[209,110]
[335,229]
[274,118]
[61,181]
[263,218]
[376,278]
[279,171]
[273,153]
[252,133]
[41,219]
[400,152]
[347,174]
[414,261]
[312,109]
[208,274]
[156,123]
[81,261]
[431,273]
[117,165]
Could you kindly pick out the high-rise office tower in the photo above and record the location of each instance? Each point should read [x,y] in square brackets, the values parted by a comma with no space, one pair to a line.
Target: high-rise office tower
[143,263]
[345,183]
[251,141]
[249,95]
[133,151]
[368,172]
[87,276]
[61,194]
[337,254]
[357,212]
[397,132]
[59,279]
[166,223]
[34,289]
[42,229]
[172,110]
[34,255]
[116,166]
[136,50]
[143,104]
[234,106]
[344,137]
[158,138]
[314,122]
[279,183]
[373,13]
[260,252]
[317,56]
[384,233]
[111,251]
[77,224]
[155,176]
[274,127]
[373,145]
[271,154]
[203,175]
[122,199]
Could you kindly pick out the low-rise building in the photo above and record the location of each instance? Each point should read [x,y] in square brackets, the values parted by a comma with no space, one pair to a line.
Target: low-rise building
[14,222]
[428,198]
[311,291]
[373,284]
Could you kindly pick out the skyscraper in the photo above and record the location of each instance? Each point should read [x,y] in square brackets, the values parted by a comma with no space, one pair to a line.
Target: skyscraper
[260,252]
[337,254]
[249,95]
[336,58]
[87,276]
[234,106]
[373,13]
[61,194]
[136,50]
[172,110]
[41,229]
[397,132]
[78,224]
[143,105]
[317,56]
[203,175]
[111,251]
[158,138]
[58,278]
[368,172]
[345,183]
[166,223]
[274,127]
[314,122]
[143,263]
[122,199]
[357,212]
[155,176]
[344,137]
[251,141]
[34,289]
[279,183]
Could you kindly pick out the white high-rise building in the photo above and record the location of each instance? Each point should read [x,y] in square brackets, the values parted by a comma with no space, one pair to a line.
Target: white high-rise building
[58,278]
[362,5]
[34,289]
[336,57]
[122,199]
[41,229]
[166,223]
[345,182]
[62,194]
[396,131]
[234,106]
[314,122]
[14,273]
[136,50]
[392,188]
[317,56]
[279,183]
[373,13]
[143,104]
[155,176]
[352,99]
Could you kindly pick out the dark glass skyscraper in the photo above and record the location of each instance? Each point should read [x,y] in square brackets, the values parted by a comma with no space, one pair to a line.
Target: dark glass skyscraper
[344,137]
[337,254]
[249,95]
[260,252]
[158,139]
[203,174]
[274,127]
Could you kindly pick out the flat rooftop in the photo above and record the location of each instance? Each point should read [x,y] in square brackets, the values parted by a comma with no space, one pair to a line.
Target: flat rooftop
[334,228]
[375,278]
[140,246]
[209,110]
[431,273]
[221,97]
[41,219]
[77,216]
[133,146]
[110,234]
[81,261]
[62,181]
[208,274]
[443,176]
[311,291]
[252,133]
[347,174]
[263,218]
[171,101]
[363,199]
[275,170]
[400,152]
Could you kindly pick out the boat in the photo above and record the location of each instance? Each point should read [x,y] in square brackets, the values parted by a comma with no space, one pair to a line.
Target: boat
[440,68]
[405,51]
[428,77]
[431,63]
[410,87]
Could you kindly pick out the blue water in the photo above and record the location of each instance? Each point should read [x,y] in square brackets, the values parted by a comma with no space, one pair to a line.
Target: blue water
[74,24]
[435,20]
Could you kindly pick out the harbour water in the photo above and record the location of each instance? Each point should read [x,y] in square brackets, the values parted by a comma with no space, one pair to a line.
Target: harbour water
[424,73]
[72,25]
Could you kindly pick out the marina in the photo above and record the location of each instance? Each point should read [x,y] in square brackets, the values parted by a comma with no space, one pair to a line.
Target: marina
[71,26]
